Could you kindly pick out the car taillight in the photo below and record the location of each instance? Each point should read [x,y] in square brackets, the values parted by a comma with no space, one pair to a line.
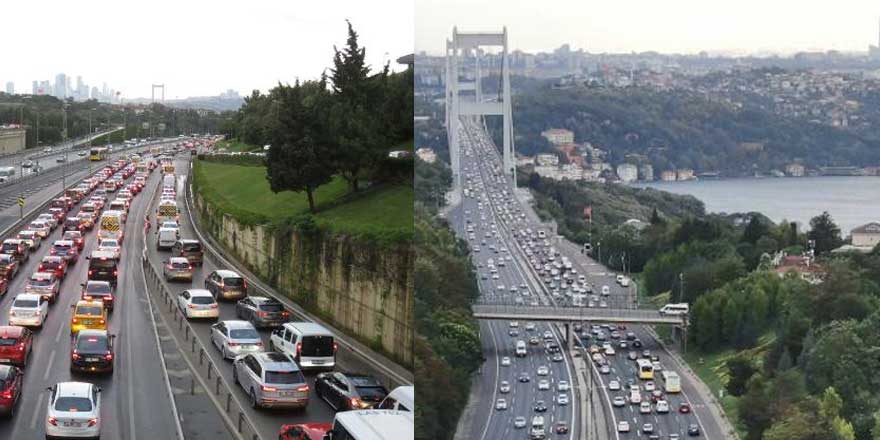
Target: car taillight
[115,272]
[232,344]
[192,306]
[21,346]
[74,355]
[91,272]
[259,344]
[214,306]
[108,298]
[299,347]
[101,322]
[285,313]
[52,421]
[93,422]
[355,402]
[87,297]
[335,347]
[270,389]
[6,394]
[303,389]
[262,313]
[108,356]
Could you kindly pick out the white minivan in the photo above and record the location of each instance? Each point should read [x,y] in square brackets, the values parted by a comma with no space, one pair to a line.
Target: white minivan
[402,398]
[166,237]
[309,344]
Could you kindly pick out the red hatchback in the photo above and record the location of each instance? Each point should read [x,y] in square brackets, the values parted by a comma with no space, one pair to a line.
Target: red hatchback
[11,380]
[15,345]
[304,431]
[54,264]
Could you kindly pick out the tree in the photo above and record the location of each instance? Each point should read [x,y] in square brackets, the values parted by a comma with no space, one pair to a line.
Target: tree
[359,131]
[754,230]
[824,233]
[740,370]
[655,217]
[299,159]
[875,431]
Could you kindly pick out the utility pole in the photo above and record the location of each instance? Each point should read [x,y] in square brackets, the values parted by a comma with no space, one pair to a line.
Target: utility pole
[681,290]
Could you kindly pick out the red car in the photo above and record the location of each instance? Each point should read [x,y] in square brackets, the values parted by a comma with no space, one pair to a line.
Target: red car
[304,431]
[684,408]
[11,379]
[15,345]
[54,264]
[76,237]
[4,285]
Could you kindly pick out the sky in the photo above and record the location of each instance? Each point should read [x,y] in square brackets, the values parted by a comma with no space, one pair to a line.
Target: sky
[194,47]
[667,26]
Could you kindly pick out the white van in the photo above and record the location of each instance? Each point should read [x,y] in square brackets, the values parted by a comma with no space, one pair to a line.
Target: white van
[376,424]
[537,432]
[675,309]
[521,348]
[402,398]
[165,238]
[310,344]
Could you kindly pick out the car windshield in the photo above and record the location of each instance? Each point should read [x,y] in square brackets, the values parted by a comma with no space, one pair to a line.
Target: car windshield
[202,300]
[109,243]
[272,307]
[6,342]
[284,377]
[89,310]
[371,392]
[73,404]
[25,303]
[102,263]
[192,247]
[317,345]
[244,333]
[180,265]
[62,247]
[9,247]
[233,282]
[92,344]
[97,288]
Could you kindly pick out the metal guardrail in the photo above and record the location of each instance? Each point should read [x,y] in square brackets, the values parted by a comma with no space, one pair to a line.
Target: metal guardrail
[236,419]
[549,313]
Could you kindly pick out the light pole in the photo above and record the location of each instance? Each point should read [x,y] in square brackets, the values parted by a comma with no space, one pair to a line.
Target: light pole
[681,289]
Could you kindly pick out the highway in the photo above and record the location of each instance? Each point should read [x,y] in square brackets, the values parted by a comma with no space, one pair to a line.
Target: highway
[135,404]
[266,421]
[481,177]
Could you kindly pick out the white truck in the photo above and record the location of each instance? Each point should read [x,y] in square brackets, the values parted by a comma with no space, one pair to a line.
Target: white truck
[537,432]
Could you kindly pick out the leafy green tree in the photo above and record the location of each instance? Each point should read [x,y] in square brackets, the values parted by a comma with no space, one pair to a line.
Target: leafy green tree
[755,229]
[298,131]
[824,233]
[740,370]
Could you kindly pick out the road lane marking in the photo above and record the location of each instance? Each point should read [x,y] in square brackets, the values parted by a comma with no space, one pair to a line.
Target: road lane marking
[49,366]
[37,409]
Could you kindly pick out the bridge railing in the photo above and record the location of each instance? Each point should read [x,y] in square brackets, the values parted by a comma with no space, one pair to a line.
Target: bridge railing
[569,312]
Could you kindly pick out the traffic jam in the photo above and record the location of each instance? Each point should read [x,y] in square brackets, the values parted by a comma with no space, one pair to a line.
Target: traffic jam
[279,363]
[100,201]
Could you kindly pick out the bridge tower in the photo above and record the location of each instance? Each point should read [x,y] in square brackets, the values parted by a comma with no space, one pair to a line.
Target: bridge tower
[161,88]
[464,93]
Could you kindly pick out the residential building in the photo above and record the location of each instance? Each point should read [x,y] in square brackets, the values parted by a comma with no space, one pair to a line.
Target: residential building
[803,266]
[795,170]
[10,88]
[668,176]
[867,235]
[627,172]
[558,136]
[685,174]
[547,159]
[646,172]
[12,138]
[426,155]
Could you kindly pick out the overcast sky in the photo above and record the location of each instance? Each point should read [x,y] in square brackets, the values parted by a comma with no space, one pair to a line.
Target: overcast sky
[661,25]
[194,47]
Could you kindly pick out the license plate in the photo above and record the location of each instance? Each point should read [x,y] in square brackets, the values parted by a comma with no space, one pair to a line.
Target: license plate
[318,362]
[92,359]
[285,394]
[72,424]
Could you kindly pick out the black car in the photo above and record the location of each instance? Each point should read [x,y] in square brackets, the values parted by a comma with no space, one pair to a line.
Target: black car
[92,352]
[261,311]
[540,406]
[637,344]
[98,291]
[694,430]
[348,391]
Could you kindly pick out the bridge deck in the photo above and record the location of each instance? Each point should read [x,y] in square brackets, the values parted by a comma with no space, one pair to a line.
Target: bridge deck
[559,314]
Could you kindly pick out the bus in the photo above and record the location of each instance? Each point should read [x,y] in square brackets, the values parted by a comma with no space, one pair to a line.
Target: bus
[646,369]
[671,381]
[675,309]
[98,153]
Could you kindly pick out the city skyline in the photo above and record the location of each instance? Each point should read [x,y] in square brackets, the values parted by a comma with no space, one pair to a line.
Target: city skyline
[685,27]
[198,50]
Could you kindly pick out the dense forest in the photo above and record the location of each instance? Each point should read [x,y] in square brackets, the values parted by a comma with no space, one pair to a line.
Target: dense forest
[815,378]
[680,129]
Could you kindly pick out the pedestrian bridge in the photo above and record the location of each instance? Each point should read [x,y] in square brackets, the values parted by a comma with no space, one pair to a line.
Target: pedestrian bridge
[513,312]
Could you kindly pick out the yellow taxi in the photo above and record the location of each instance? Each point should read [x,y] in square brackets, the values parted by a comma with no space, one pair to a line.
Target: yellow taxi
[88,315]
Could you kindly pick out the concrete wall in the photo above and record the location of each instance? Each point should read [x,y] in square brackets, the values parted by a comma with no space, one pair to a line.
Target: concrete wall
[11,140]
[364,289]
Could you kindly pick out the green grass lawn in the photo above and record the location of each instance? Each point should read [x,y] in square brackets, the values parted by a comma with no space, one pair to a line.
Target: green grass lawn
[712,369]
[235,145]
[245,188]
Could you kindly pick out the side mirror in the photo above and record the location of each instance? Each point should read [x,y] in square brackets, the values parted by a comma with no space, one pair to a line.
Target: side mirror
[48,388]
[73,306]
[98,389]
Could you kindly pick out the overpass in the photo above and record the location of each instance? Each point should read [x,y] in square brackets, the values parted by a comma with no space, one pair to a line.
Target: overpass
[571,314]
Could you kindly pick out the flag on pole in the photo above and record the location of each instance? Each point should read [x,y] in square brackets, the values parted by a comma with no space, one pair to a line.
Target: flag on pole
[588,213]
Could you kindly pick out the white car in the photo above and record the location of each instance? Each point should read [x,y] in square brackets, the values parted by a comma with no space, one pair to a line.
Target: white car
[504,388]
[42,228]
[198,303]
[562,399]
[619,401]
[110,245]
[649,386]
[31,238]
[662,407]
[645,407]
[614,385]
[234,338]
[543,370]
[501,404]
[505,361]
[519,422]
[562,385]
[28,310]
[609,351]
[74,410]
[623,426]
[544,384]
[49,219]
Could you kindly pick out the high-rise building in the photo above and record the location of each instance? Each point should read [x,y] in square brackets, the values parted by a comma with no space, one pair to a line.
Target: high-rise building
[68,90]
[60,86]
[45,88]
[35,88]
[10,88]
[96,94]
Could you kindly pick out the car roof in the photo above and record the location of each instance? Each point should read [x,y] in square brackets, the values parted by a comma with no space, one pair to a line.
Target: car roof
[84,303]
[52,258]
[11,331]
[188,240]
[42,275]
[235,323]
[225,273]
[200,292]
[63,243]
[275,361]
[178,260]
[97,282]
[73,389]
[28,296]
[93,333]
[264,300]
[103,254]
